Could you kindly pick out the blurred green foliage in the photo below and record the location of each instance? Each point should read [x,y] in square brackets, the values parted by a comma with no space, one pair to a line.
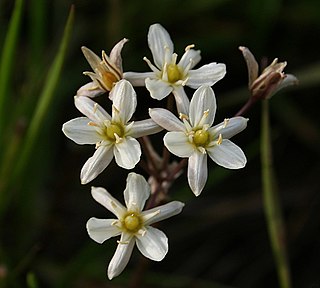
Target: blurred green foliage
[220,240]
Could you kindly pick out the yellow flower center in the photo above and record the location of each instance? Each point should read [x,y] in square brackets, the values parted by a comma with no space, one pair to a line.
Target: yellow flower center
[174,73]
[112,129]
[201,137]
[132,222]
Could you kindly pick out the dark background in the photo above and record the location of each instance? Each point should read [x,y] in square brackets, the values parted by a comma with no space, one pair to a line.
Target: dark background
[220,239]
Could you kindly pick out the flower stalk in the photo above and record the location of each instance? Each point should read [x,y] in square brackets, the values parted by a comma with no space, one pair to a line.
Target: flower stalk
[272,207]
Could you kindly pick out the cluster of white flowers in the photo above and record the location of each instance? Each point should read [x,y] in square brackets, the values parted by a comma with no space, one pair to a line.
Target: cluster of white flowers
[190,134]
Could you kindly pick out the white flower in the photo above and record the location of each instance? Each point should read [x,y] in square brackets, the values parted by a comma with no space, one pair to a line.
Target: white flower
[106,73]
[194,137]
[168,75]
[132,223]
[113,135]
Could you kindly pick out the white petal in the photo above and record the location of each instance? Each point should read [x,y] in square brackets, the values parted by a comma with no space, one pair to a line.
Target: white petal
[227,155]
[137,78]
[178,144]
[206,75]
[124,99]
[203,100]
[182,100]
[158,39]
[121,257]
[190,55]
[158,89]
[144,127]
[101,230]
[91,109]
[93,59]
[96,164]
[166,119]
[164,211]
[136,193]
[233,127]
[115,54]
[127,153]
[153,244]
[103,197]
[80,132]
[90,90]
[197,172]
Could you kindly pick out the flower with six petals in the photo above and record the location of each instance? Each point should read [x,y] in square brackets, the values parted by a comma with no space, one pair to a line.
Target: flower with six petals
[132,223]
[113,135]
[107,71]
[193,136]
[169,76]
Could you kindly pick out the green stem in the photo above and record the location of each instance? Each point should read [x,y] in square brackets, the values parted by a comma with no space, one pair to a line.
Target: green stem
[272,207]
[38,119]
[7,62]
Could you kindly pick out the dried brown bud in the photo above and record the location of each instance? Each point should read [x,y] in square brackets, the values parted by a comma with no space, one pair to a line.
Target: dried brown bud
[270,81]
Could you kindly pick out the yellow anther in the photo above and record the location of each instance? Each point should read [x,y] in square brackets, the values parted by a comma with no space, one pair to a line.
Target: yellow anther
[219,141]
[183,116]
[226,122]
[95,107]
[123,242]
[93,124]
[189,47]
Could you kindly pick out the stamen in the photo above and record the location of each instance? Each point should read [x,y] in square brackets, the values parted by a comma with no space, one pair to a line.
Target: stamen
[219,141]
[174,58]
[202,150]
[123,242]
[152,67]
[151,215]
[189,47]
[93,124]
[115,223]
[115,110]
[203,118]
[111,67]
[184,82]
[226,122]
[183,116]
[142,232]
[95,107]
[187,68]
[94,88]
[118,139]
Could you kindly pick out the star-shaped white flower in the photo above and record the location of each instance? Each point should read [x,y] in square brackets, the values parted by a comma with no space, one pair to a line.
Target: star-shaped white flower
[169,76]
[107,71]
[113,135]
[132,223]
[195,137]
